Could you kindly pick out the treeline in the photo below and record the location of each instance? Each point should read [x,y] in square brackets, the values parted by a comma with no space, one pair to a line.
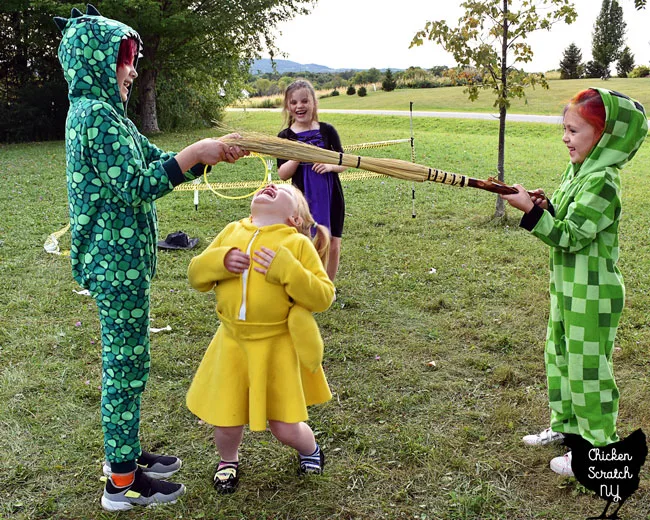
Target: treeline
[607,47]
[274,84]
[572,66]
[197,57]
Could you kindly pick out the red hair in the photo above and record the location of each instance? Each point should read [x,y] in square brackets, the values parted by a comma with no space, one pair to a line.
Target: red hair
[590,107]
[127,52]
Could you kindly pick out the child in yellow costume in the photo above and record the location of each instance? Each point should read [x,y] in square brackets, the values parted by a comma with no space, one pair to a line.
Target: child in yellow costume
[268,278]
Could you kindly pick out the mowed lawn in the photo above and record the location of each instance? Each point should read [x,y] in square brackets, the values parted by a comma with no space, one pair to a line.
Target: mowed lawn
[434,347]
[452,99]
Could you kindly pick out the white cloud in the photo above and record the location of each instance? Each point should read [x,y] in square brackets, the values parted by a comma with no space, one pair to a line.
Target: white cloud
[369,33]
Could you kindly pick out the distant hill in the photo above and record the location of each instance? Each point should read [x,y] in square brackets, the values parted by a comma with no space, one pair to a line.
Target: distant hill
[283,66]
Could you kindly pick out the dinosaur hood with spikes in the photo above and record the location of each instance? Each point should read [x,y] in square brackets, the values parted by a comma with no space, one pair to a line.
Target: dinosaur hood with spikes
[88,54]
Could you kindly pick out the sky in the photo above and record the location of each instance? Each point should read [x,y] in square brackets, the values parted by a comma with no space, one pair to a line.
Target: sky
[360,34]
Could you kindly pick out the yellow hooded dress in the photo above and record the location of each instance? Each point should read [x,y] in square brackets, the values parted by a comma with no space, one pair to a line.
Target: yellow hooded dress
[251,372]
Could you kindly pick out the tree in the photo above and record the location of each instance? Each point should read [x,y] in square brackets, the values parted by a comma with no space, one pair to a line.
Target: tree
[373,75]
[389,83]
[33,91]
[571,66]
[608,35]
[265,87]
[284,82]
[198,39]
[438,70]
[625,63]
[491,37]
[594,69]
[360,78]
[640,4]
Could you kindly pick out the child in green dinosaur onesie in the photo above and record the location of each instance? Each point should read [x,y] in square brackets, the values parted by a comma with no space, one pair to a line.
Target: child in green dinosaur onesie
[114,175]
[602,130]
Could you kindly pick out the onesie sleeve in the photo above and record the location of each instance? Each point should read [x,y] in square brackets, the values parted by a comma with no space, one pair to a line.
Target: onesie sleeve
[593,209]
[208,268]
[132,169]
[303,277]
[153,153]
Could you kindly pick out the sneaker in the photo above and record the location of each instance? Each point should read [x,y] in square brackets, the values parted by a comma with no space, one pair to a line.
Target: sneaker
[543,438]
[562,465]
[226,478]
[154,466]
[312,464]
[143,491]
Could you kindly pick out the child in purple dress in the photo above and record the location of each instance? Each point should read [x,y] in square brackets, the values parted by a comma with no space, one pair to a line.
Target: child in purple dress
[319,183]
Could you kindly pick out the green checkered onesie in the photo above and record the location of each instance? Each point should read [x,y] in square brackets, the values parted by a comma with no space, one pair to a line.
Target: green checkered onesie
[586,287]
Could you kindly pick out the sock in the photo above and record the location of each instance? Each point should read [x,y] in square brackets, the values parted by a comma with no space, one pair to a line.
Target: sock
[311,462]
[226,464]
[123,479]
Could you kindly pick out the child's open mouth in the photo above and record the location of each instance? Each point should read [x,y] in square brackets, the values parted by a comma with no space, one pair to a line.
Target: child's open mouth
[270,191]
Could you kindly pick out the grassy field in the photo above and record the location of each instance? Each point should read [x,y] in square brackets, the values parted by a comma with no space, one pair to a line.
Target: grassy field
[403,439]
[452,99]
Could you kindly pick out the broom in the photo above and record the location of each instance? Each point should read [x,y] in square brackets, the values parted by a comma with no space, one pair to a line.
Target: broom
[297,151]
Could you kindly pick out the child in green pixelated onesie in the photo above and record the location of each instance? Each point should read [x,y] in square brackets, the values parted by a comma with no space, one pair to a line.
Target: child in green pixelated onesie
[602,130]
[114,175]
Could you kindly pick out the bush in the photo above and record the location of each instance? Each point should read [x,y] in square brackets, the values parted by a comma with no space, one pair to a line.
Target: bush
[334,93]
[642,71]
[351,91]
[362,91]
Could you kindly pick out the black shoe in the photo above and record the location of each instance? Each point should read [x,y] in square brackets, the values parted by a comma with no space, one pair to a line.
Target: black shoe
[226,479]
[312,464]
[143,491]
[155,466]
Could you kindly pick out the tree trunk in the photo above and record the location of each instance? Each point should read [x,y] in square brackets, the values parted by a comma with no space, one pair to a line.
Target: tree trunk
[147,80]
[499,210]
[148,102]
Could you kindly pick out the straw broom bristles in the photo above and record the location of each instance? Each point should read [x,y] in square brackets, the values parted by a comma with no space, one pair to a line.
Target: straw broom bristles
[297,151]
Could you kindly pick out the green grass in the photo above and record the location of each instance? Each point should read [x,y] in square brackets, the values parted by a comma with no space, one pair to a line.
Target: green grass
[403,440]
[452,99]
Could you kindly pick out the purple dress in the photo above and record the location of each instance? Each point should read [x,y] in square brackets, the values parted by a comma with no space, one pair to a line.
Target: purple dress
[323,192]
[318,187]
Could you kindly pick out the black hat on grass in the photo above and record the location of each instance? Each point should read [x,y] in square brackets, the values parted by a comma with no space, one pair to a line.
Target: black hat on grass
[178,240]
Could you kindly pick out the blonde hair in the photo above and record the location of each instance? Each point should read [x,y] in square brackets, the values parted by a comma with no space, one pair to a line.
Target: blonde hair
[298,85]
[321,239]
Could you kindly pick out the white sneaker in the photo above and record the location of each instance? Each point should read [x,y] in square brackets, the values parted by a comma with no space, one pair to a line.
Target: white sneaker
[542,438]
[562,465]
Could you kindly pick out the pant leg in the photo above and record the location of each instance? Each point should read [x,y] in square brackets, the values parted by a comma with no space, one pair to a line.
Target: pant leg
[594,392]
[557,372]
[583,395]
[124,318]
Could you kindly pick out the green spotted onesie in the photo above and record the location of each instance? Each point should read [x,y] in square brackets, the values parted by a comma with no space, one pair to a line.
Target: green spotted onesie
[114,175]
[586,287]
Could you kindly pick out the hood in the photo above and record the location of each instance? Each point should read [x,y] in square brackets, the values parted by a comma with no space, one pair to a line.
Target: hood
[88,54]
[626,127]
